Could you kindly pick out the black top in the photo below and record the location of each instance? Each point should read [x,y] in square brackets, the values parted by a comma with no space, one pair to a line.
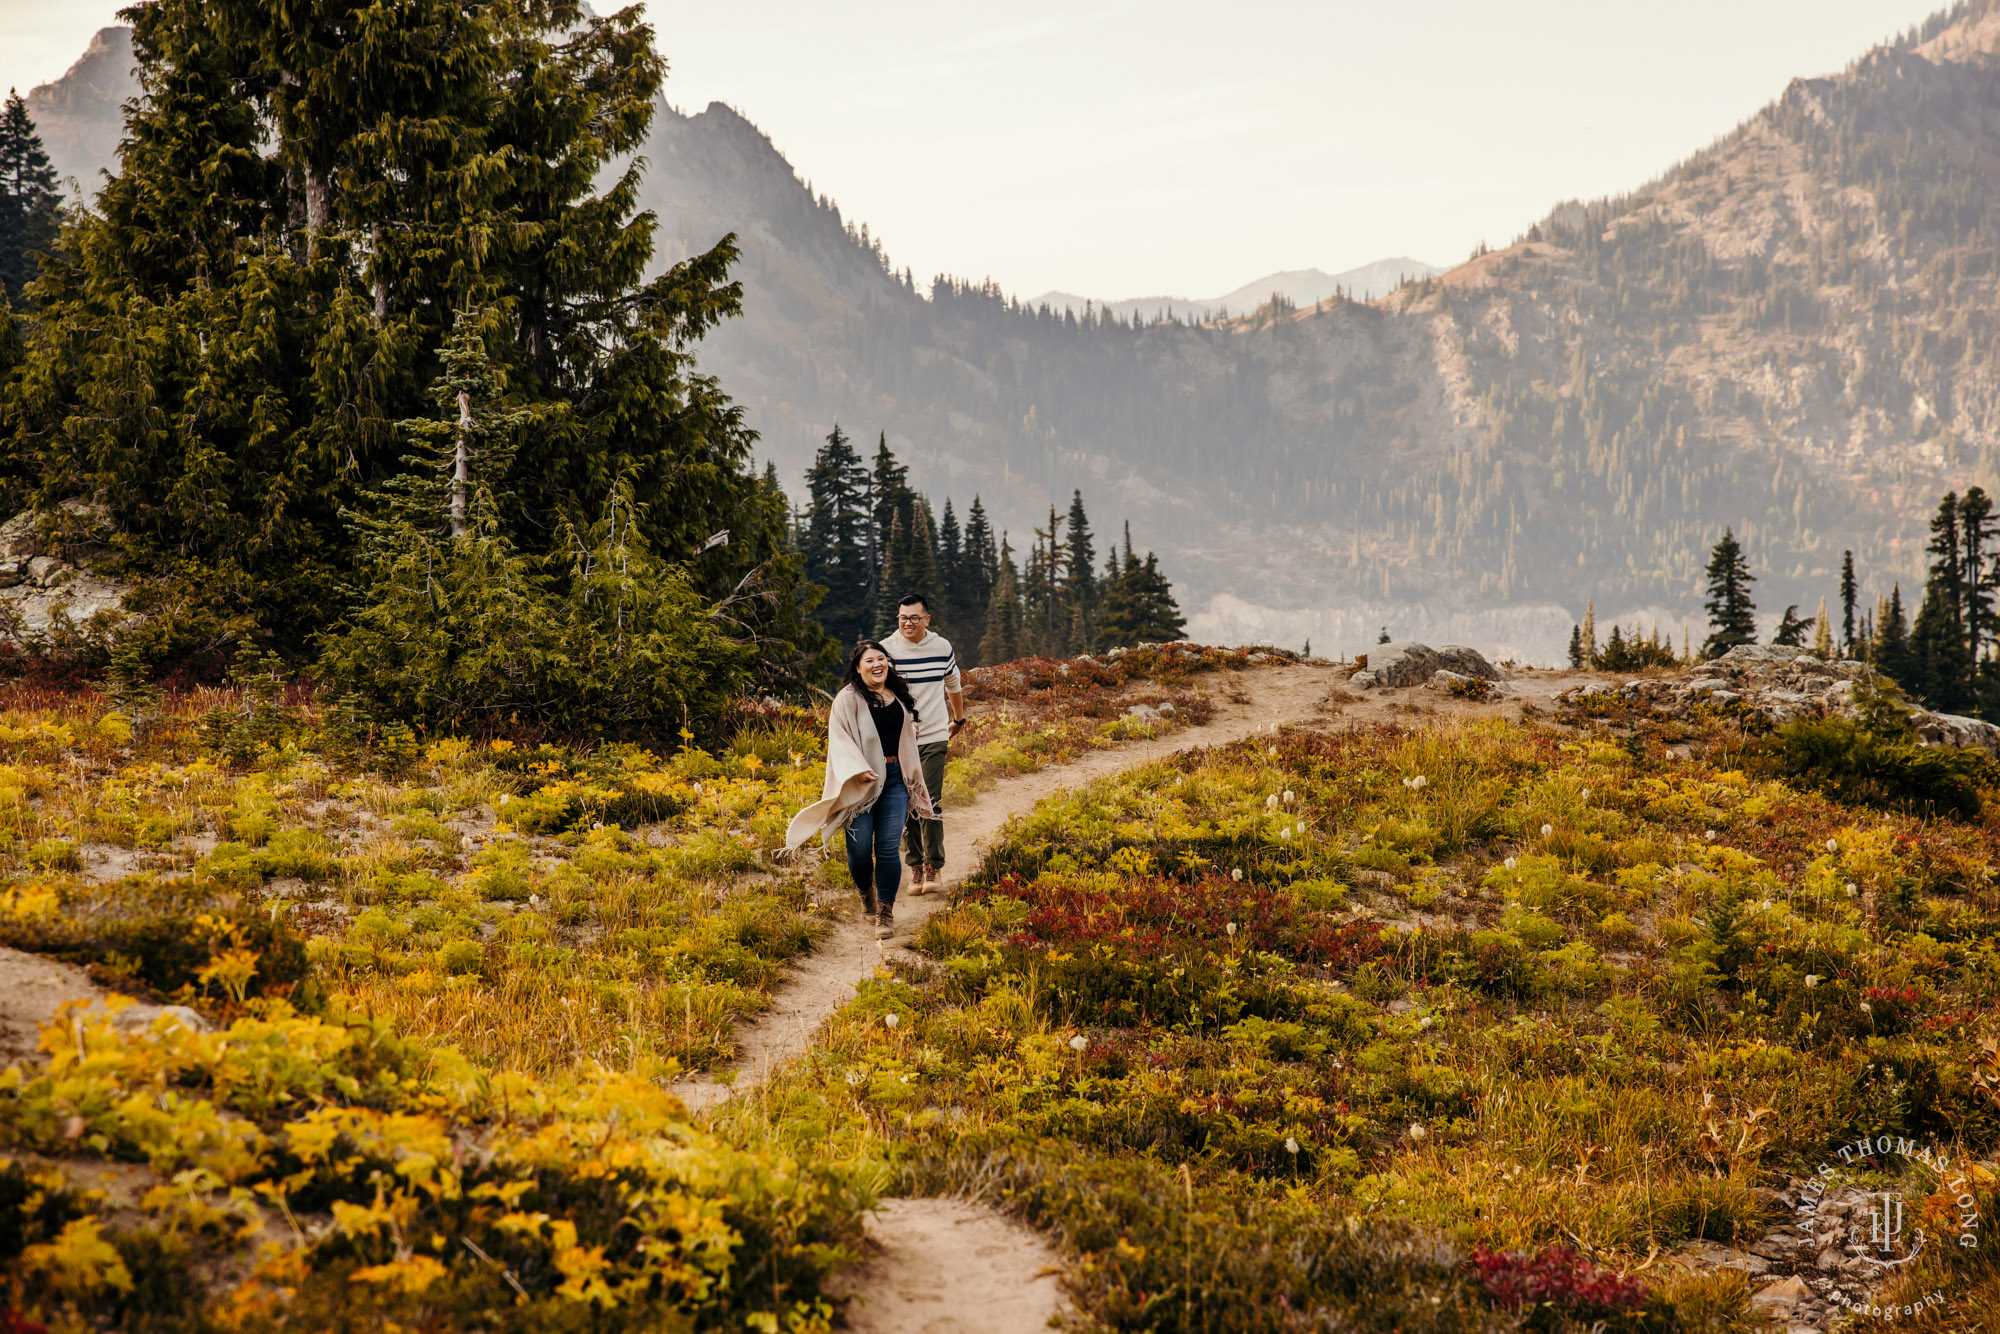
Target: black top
[888,724]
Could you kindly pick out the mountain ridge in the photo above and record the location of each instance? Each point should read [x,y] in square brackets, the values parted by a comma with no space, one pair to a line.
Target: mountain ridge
[1301,287]
[1789,332]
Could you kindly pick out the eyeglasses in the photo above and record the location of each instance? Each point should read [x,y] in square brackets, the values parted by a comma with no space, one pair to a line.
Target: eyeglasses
[911,620]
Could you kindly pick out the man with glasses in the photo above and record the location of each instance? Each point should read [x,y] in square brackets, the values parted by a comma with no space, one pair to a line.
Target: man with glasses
[927,662]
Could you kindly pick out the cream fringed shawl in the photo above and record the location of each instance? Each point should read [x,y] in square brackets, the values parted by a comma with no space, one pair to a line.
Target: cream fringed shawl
[854,750]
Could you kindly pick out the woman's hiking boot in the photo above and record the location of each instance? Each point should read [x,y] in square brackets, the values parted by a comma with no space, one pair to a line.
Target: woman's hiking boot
[885,922]
[869,908]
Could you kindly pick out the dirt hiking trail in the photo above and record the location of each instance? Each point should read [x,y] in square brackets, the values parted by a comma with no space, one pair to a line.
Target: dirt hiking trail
[1267,699]
[964,1267]
[824,980]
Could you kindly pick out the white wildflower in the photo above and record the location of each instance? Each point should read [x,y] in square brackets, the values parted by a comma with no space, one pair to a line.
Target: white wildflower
[1417,1131]
[1866,1008]
[1833,845]
[1285,833]
[1079,1042]
[1708,834]
[1271,802]
[1274,752]
[1288,796]
[505,797]
[1230,928]
[1548,829]
[1291,1146]
[1425,1022]
[1510,863]
[891,1020]
[1812,980]
[1236,874]
[1586,794]
[1851,890]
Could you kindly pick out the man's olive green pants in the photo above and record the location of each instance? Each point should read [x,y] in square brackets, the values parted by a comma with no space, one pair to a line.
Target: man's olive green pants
[923,840]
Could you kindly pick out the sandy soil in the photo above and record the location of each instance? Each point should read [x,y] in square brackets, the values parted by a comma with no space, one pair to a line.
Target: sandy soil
[950,1267]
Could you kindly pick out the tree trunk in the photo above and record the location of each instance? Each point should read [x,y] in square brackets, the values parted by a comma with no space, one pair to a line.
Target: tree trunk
[461,470]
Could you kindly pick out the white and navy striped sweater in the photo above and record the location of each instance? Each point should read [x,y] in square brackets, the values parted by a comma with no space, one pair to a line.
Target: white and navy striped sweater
[931,668]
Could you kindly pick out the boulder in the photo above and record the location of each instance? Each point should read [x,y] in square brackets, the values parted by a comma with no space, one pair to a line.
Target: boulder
[46,576]
[1458,683]
[1781,685]
[1412,664]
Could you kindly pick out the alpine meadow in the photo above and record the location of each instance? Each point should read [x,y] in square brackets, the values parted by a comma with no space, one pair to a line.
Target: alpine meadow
[579,752]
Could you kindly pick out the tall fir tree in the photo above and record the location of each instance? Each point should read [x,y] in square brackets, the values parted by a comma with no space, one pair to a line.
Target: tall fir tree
[1791,631]
[1002,640]
[1977,564]
[837,539]
[1889,647]
[1080,590]
[951,574]
[1850,593]
[267,283]
[1732,616]
[1941,667]
[29,203]
[1138,605]
[978,576]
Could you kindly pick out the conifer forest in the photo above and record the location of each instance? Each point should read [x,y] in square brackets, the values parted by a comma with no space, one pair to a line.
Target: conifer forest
[449,881]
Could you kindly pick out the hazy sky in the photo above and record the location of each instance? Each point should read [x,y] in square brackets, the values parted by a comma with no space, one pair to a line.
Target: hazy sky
[1117,149]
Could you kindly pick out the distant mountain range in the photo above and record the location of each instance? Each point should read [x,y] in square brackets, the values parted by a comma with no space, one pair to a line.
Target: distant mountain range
[1300,287]
[81,115]
[1796,332]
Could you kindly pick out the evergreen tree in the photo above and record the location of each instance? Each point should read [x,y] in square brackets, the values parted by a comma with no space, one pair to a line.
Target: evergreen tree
[28,198]
[918,552]
[1732,617]
[951,574]
[1822,633]
[979,574]
[1589,632]
[1576,646]
[1042,603]
[1890,646]
[1138,605]
[298,219]
[1975,513]
[837,539]
[1941,666]
[1002,640]
[1849,593]
[1792,628]
[1080,589]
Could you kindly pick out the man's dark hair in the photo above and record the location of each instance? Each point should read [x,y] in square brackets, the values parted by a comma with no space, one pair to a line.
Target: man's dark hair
[914,600]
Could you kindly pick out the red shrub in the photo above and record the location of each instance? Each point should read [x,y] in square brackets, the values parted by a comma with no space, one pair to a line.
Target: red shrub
[1555,1276]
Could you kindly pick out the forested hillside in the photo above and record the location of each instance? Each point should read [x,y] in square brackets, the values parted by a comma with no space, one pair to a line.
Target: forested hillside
[1789,333]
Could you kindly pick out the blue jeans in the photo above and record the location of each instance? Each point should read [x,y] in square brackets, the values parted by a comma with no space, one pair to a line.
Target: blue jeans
[873,836]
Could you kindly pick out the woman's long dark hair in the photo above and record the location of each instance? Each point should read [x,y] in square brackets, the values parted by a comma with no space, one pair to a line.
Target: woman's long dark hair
[897,685]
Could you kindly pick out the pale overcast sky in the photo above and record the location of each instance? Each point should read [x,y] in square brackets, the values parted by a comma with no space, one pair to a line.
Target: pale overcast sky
[1116,148]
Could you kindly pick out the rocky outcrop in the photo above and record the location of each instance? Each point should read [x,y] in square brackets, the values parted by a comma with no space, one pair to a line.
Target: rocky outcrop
[1413,664]
[1779,685]
[47,583]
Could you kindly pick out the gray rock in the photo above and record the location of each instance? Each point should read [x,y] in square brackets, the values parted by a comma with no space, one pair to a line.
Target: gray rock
[50,581]
[1445,680]
[1411,664]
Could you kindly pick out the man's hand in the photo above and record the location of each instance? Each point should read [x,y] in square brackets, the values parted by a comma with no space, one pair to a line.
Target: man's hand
[956,723]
